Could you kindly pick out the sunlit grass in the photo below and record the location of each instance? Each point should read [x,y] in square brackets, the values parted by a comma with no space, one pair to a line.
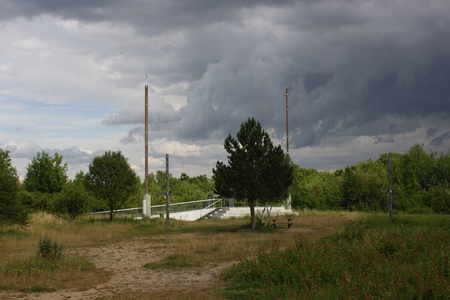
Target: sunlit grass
[32,273]
[188,244]
[208,241]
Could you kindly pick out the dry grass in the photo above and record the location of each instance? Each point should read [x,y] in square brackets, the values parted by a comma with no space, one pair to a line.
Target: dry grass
[211,241]
[21,268]
[191,244]
[322,223]
[15,241]
[33,273]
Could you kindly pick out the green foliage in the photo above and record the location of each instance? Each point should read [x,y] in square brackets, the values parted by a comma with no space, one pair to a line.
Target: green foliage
[190,189]
[419,167]
[315,190]
[34,200]
[420,184]
[72,201]
[256,168]
[182,189]
[49,249]
[362,185]
[11,209]
[112,180]
[371,259]
[46,174]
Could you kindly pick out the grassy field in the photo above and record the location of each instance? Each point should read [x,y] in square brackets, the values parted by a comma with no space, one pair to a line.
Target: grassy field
[192,244]
[372,258]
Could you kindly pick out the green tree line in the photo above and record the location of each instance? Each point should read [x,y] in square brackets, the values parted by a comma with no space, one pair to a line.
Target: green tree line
[182,189]
[420,184]
[109,184]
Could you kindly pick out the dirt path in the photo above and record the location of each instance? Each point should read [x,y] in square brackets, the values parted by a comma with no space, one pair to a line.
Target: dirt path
[126,260]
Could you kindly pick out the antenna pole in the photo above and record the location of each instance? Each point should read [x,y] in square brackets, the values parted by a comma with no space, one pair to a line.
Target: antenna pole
[146,199]
[146,139]
[167,191]
[287,121]
[390,187]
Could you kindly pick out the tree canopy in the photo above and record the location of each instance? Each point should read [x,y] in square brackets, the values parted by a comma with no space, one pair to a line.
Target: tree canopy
[420,184]
[112,180]
[256,168]
[11,210]
[46,174]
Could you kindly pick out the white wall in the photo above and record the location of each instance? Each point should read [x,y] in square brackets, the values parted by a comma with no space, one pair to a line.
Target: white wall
[189,215]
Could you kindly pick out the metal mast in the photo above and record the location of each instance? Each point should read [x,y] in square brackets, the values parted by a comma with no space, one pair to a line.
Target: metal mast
[146,139]
[287,121]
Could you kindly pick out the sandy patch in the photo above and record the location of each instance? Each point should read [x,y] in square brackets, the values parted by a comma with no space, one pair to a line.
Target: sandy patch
[126,260]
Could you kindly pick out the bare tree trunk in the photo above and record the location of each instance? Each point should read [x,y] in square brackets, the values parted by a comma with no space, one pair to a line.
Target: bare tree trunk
[268,215]
[251,204]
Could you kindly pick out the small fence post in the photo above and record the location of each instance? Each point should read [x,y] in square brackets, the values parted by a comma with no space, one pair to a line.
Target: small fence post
[167,191]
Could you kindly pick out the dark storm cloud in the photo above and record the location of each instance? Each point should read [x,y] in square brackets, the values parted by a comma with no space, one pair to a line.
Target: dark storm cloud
[383,139]
[437,141]
[345,75]
[152,16]
[353,68]
[160,113]
[431,132]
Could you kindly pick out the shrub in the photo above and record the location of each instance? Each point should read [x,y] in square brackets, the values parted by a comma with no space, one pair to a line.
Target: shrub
[72,201]
[47,248]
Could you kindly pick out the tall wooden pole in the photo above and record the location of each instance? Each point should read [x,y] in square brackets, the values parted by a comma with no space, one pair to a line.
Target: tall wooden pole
[390,187]
[287,121]
[167,191]
[146,139]
[288,200]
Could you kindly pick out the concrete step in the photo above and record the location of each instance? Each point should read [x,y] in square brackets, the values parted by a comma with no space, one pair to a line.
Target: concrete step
[238,212]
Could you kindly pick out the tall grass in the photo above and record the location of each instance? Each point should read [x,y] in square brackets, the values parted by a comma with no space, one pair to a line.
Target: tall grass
[188,244]
[374,258]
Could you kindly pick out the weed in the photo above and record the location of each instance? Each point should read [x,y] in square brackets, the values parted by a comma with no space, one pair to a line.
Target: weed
[47,248]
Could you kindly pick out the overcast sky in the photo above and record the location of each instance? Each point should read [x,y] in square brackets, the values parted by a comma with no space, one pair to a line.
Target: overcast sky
[365,77]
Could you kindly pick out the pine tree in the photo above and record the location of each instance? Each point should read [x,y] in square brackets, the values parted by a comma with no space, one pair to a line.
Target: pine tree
[256,170]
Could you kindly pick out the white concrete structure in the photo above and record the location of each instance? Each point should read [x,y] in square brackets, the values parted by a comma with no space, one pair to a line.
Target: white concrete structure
[223,213]
[193,210]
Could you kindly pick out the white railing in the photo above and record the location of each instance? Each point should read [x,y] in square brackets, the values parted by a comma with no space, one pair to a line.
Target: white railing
[127,212]
[185,206]
[157,210]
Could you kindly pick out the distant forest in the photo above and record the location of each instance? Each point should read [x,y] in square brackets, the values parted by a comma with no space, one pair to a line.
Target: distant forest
[420,180]
[420,184]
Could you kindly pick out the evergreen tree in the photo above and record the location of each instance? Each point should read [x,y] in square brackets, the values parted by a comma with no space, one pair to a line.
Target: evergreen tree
[256,168]
[11,210]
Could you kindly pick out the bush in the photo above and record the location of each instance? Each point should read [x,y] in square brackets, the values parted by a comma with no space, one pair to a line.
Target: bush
[47,248]
[72,201]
